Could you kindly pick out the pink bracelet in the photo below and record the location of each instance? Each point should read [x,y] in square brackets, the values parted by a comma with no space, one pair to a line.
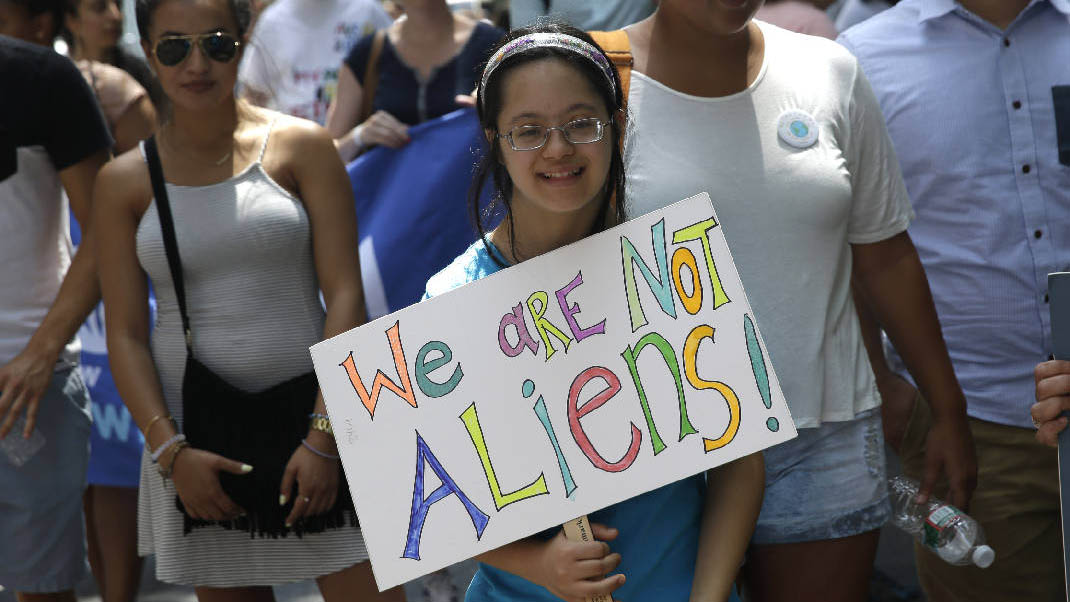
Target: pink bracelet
[309,447]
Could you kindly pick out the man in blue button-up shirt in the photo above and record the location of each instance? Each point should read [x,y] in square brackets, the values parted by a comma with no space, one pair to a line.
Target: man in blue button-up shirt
[972,92]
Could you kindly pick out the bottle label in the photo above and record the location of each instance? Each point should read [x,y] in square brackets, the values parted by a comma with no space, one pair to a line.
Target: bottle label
[939,520]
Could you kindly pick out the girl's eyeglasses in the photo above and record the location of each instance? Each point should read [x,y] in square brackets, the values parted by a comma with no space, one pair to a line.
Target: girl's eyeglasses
[533,137]
[218,46]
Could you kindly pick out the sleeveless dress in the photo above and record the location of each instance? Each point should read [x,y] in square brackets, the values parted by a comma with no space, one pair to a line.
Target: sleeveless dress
[253,302]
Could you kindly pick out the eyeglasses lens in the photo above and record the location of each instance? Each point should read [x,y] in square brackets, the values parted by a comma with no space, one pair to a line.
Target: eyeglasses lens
[583,131]
[219,47]
[172,51]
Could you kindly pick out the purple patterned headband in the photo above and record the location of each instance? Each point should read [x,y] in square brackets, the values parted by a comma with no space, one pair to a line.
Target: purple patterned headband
[547,40]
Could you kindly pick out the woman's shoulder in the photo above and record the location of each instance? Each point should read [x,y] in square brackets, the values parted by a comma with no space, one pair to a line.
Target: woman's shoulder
[116,89]
[475,263]
[809,57]
[295,134]
[484,35]
[357,57]
[124,183]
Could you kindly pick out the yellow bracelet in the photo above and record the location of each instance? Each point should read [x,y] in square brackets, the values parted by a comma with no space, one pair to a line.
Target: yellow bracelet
[321,423]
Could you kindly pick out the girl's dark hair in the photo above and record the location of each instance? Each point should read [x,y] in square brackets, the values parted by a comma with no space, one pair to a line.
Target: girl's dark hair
[491,166]
[145,9]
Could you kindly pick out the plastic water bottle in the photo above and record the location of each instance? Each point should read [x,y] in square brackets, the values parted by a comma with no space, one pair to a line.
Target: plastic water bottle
[939,526]
[17,449]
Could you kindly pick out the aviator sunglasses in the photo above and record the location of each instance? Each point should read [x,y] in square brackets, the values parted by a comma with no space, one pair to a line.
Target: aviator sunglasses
[171,50]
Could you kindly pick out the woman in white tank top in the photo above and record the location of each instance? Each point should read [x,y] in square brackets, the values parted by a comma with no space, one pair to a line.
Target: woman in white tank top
[263,220]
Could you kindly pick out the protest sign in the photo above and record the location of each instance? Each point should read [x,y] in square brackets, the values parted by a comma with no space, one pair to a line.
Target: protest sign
[572,381]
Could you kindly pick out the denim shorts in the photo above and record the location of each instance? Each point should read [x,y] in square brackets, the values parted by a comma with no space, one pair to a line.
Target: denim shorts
[42,534]
[827,483]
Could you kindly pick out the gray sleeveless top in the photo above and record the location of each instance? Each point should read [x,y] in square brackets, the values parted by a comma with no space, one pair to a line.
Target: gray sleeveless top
[253,302]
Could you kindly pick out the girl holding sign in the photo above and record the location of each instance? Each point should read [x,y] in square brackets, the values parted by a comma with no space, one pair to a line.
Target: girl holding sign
[239,217]
[550,103]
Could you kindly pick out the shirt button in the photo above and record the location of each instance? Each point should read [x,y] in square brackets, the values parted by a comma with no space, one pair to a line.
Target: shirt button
[1006,41]
[1046,299]
[1037,234]
[1016,104]
[1026,168]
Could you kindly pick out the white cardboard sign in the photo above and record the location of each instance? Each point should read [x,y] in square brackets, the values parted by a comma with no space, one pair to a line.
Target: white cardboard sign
[572,381]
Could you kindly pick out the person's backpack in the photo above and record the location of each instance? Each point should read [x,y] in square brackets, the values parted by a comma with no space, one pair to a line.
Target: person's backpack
[619,50]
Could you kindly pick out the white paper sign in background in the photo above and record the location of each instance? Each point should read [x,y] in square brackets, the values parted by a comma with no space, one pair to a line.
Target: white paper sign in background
[570,382]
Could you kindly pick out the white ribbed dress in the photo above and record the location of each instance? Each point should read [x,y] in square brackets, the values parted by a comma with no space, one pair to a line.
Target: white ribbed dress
[252,296]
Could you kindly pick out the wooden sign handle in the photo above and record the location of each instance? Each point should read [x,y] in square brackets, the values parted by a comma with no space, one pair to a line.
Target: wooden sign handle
[579,529]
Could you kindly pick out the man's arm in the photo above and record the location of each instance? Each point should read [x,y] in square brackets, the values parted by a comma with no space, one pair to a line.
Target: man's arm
[24,379]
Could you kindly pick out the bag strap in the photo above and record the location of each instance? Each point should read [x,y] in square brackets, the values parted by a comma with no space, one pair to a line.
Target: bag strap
[167,228]
[371,76]
[619,50]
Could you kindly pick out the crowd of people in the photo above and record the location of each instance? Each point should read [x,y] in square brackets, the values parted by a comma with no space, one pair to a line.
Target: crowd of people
[894,241]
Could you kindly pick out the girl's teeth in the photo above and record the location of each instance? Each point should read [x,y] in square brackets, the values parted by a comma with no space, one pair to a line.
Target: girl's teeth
[562,174]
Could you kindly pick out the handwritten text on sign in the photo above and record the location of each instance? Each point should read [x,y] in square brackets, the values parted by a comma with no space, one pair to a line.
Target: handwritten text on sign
[568,383]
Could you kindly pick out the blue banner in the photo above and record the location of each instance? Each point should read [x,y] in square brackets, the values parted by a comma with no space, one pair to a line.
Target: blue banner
[115,441]
[412,208]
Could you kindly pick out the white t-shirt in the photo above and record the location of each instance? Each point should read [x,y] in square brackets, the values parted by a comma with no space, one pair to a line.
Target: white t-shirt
[35,244]
[297,47]
[788,213]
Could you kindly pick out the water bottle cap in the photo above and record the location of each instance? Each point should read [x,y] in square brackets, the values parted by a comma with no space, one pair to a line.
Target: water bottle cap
[983,556]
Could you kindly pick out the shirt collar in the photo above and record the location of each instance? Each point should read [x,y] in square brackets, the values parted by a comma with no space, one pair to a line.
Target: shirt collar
[931,9]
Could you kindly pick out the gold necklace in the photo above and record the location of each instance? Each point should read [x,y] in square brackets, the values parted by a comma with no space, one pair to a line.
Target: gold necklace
[217,163]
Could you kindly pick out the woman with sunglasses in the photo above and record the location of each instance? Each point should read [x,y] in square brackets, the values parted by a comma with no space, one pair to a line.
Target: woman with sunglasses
[262,218]
[550,104]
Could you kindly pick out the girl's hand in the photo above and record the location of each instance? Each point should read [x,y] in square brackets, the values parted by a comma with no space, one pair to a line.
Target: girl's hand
[1053,398]
[575,570]
[316,478]
[195,473]
[382,129]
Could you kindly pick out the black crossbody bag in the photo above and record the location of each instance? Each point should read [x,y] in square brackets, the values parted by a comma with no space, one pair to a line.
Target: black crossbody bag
[262,429]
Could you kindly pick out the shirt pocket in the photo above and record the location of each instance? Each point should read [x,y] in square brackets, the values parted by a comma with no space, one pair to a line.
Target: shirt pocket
[1060,96]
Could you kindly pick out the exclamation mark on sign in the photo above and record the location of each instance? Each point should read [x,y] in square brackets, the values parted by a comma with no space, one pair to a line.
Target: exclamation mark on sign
[757,364]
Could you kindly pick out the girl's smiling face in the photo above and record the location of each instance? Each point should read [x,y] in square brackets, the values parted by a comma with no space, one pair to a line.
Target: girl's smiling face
[560,177]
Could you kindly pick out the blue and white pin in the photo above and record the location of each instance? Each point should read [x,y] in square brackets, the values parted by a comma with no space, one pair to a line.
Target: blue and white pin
[797,128]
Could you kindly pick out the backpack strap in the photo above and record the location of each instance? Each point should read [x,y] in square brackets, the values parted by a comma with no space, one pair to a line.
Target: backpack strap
[619,50]
[371,76]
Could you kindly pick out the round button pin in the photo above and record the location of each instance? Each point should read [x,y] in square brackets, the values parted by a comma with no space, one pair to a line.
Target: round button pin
[797,129]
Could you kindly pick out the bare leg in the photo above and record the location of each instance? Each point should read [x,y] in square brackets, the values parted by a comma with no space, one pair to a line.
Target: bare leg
[111,528]
[235,594]
[834,570]
[356,584]
[96,561]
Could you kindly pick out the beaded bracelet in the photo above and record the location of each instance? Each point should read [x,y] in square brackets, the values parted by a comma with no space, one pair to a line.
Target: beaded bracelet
[170,469]
[309,447]
[166,444]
